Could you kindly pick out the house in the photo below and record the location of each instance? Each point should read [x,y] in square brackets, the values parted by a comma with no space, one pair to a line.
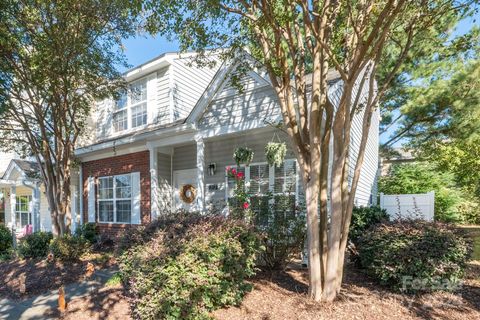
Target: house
[396,156]
[176,127]
[179,126]
[22,195]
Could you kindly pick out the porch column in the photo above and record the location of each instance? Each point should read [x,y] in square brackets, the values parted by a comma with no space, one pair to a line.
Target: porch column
[154,196]
[200,173]
[13,202]
[73,207]
[35,207]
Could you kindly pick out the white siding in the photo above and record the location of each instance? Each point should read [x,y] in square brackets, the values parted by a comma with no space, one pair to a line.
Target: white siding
[257,102]
[189,84]
[163,96]
[5,161]
[164,183]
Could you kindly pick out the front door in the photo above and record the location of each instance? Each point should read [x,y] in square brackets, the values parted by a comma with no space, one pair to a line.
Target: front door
[186,189]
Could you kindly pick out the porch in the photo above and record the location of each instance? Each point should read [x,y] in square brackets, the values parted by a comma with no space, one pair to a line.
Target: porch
[200,161]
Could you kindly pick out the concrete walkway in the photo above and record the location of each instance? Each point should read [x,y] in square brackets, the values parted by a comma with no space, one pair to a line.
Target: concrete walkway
[39,307]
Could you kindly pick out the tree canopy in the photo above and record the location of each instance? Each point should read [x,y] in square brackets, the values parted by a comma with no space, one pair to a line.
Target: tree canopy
[56,59]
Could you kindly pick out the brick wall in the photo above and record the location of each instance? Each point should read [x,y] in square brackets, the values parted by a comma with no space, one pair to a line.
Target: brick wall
[133,162]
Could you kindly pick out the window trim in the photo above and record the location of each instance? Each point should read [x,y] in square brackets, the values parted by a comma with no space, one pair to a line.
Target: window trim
[19,212]
[129,107]
[271,177]
[114,199]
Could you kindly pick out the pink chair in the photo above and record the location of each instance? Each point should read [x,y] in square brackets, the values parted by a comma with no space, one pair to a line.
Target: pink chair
[28,229]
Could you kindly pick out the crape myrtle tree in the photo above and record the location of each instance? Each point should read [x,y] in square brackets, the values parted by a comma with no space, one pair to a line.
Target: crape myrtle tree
[56,59]
[293,39]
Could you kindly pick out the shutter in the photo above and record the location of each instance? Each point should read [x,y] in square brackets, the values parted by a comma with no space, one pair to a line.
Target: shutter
[136,198]
[152,108]
[91,199]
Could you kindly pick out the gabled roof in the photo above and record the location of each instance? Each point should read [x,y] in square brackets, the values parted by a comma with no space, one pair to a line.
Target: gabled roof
[30,169]
[220,77]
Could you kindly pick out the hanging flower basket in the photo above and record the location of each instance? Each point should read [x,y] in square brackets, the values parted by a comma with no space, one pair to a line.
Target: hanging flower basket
[243,155]
[275,153]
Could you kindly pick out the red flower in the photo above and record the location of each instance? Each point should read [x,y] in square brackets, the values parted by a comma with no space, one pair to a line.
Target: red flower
[240,175]
[227,168]
[234,172]
[246,205]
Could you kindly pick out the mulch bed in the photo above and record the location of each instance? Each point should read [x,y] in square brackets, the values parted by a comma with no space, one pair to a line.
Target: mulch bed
[106,303]
[283,295]
[20,279]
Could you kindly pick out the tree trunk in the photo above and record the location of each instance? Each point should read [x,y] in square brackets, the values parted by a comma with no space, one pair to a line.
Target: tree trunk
[313,240]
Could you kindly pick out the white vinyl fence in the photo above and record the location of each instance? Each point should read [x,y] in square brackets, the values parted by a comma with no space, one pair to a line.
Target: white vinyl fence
[419,206]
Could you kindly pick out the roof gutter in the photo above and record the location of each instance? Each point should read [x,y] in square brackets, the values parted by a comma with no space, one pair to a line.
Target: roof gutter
[163,133]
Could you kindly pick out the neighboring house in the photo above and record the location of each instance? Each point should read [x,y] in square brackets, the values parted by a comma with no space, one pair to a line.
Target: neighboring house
[179,125]
[396,156]
[22,201]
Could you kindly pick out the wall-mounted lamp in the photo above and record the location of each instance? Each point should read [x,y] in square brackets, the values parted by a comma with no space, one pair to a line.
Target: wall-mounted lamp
[212,168]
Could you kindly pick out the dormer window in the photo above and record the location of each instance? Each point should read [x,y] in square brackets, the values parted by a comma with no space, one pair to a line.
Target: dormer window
[130,109]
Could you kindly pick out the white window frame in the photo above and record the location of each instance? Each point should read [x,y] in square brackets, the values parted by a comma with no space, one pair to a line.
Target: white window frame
[129,106]
[115,199]
[19,212]
[271,177]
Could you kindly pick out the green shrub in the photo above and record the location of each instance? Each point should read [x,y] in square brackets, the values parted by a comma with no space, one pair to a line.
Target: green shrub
[283,226]
[363,218]
[413,255]
[6,240]
[69,248]
[88,231]
[187,269]
[35,245]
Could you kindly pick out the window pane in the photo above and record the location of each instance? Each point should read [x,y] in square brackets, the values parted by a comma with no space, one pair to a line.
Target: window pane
[124,211]
[259,179]
[105,188]
[24,218]
[121,101]
[139,115]
[138,92]
[120,121]
[285,177]
[105,211]
[17,220]
[123,186]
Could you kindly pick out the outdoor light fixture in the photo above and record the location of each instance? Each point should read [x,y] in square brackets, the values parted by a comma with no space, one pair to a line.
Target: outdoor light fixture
[212,168]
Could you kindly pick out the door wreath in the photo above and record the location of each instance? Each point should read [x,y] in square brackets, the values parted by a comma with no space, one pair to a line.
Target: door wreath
[188,193]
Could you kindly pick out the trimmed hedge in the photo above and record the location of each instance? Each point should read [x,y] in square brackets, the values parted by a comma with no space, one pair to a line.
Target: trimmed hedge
[414,256]
[35,245]
[185,265]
